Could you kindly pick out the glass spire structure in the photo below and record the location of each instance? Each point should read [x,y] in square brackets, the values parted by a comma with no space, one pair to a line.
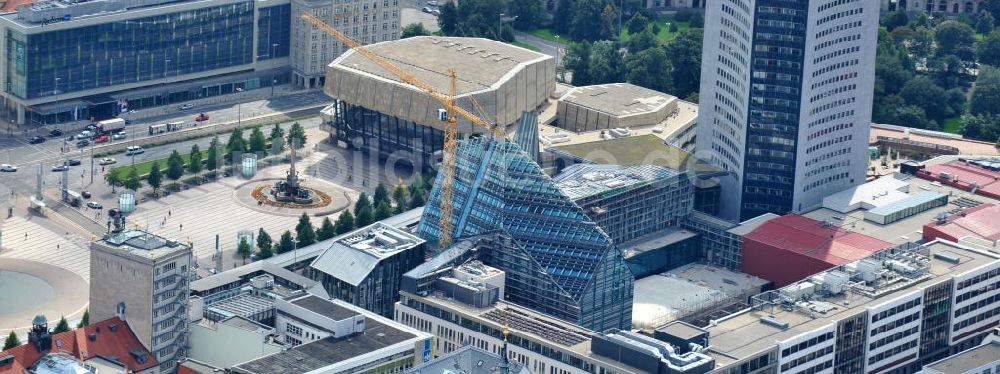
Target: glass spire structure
[558,261]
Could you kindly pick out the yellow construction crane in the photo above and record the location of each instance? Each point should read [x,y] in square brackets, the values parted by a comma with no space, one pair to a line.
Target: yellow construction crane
[451,130]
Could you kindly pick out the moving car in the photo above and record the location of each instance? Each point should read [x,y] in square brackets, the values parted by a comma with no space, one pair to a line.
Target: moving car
[85,134]
[186,106]
[107,161]
[82,143]
[94,205]
[85,194]
[59,167]
[134,150]
[201,117]
[36,140]
[8,168]
[55,133]
[119,136]
[91,127]
[101,139]
[73,162]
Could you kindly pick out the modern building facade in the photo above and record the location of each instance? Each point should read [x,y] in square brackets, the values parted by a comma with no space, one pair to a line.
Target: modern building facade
[143,279]
[313,49]
[785,92]
[376,112]
[566,266]
[364,267]
[933,6]
[69,60]
[628,202]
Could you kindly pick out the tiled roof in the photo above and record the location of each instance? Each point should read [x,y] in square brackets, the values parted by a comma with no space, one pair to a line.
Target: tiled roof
[980,221]
[110,345]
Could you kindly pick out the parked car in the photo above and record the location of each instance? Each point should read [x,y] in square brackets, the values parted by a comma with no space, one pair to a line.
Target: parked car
[201,117]
[82,143]
[55,133]
[432,2]
[134,150]
[119,136]
[101,139]
[85,194]
[426,10]
[73,162]
[186,106]
[8,168]
[59,167]
[94,205]
[85,134]
[435,12]
[107,161]
[91,127]
[36,140]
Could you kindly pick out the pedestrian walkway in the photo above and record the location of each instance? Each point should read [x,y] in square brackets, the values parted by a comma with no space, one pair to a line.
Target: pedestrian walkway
[45,242]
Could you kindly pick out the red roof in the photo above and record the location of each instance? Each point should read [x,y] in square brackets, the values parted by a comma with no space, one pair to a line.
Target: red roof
[979,222]
[107,344]
[11,5]
[805,236]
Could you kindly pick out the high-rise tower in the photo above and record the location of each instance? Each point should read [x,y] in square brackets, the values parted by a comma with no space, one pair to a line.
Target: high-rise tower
[786,99]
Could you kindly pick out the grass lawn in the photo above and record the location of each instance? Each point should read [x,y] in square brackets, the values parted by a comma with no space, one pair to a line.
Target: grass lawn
[143,167]
[664,23]
[547,34]
[525,45]
[952,125]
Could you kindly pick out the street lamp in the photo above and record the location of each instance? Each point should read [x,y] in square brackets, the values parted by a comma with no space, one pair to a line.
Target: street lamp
[239,107]
[273,80]
[558,64]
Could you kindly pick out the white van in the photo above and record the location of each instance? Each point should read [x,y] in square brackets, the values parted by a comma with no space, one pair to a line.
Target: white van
[134,150]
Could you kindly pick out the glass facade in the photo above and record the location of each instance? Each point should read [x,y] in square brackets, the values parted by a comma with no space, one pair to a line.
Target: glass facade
[133,50]
[275,29]
[559,261]
[775,86]
[364,128]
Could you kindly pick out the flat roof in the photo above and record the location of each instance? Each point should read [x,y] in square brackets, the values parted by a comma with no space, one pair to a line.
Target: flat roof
[618,99]
[682,330]
[978,222]
[805,236]
[672,295]
[636,150]
[742,335]
[962,362]
[906,203]
[479,63]
[143,244]
[965,146]
[655,240]
[585,180]
[352,256]
[237,275]
[244,323]
[879,192]
[326,308]
[683,120]
[325,352]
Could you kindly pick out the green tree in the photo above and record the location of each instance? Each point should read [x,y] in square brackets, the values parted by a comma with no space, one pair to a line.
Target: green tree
[381,194]
[194,160]
[264,240]
[345,222]
[305,234]
[448,19]
[914,116]
[286,243]
[577,60]
[955,38]
[212,156]
[895,19]
[363,214]
[175,166]
[685,61]
[297,136]
[606,62]
[528,14]
[155,176]
[113,178]
[588,20]
[383,211]
[326,230]
[981,127]
[62,326]
[85,320]
[989,49]
[399,197]
[414,29]
[236,142]
[984,22]
[986,95]
[562,16]
[417,197]
[258,143]
[264,253]
[132,181]
[641,41]
[244,249]
[11,342]
[697,20]
[276,132]
[924,93]
[647,69]
[638,23]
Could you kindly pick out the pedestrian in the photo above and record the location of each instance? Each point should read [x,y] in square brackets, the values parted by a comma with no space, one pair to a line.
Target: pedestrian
[182,227]
[25,235]
[168,213]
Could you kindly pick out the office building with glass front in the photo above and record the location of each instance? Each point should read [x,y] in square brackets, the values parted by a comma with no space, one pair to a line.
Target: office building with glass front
[558,261]
[786,100]
[66,61]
